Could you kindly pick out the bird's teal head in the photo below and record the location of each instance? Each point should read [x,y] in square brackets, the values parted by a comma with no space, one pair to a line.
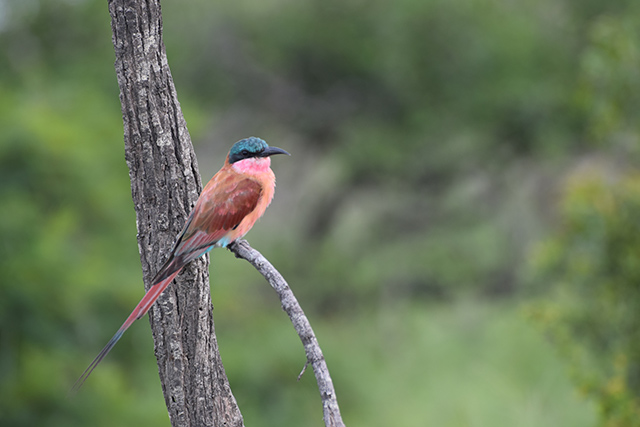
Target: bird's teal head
[252,147]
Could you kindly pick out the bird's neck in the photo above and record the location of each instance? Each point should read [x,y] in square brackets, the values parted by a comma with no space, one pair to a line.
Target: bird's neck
[252,166]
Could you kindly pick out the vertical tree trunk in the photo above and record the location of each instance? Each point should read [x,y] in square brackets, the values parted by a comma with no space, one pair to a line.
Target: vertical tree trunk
[165,184]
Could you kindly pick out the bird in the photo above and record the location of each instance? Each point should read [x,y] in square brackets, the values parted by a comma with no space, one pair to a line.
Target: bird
[228,207]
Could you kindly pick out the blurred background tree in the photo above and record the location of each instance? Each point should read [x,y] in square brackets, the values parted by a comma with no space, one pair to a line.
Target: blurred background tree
[592,260]
[593,265]
[431,139]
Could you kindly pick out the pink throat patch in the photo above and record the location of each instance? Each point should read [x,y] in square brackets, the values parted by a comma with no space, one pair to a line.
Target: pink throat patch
[253,165]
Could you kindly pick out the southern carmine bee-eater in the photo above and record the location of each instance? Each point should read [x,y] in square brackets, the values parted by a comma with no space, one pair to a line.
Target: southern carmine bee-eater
[226,210]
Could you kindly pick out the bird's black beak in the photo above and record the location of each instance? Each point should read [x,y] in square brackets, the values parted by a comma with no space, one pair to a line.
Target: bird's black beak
[270,151]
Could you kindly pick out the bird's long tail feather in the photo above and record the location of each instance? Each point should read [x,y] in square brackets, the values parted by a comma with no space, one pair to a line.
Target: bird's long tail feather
[141,309]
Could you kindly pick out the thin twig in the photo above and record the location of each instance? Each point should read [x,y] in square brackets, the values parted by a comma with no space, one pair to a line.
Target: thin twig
[331,411]
[304,369]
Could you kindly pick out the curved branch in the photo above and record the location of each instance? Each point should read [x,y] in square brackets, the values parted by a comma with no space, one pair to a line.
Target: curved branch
[331,411]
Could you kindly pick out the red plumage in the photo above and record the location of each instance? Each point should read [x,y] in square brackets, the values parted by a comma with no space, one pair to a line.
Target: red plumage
[227,208]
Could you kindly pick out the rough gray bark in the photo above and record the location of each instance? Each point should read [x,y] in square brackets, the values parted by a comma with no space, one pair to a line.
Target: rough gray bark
[165,184]
[330,409]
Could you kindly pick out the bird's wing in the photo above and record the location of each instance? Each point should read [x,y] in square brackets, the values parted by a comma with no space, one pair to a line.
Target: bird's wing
[223,204]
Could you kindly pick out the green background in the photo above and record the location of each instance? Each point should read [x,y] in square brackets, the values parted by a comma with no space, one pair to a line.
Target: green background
[459,217]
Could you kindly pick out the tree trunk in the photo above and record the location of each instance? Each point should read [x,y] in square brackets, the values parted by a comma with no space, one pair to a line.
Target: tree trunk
[165,184]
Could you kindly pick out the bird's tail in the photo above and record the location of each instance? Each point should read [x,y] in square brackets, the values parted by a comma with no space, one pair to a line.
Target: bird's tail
[141,309]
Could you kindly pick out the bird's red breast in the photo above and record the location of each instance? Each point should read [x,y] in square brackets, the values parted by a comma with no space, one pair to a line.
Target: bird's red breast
[229,205]
[226,210]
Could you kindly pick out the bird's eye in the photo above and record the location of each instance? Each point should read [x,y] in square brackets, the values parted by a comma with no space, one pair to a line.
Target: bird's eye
[244,153]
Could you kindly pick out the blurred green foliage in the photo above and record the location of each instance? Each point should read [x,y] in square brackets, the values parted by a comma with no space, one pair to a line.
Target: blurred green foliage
[428,139]
[64,191]
[593,267]
[609,83]
[591,264]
